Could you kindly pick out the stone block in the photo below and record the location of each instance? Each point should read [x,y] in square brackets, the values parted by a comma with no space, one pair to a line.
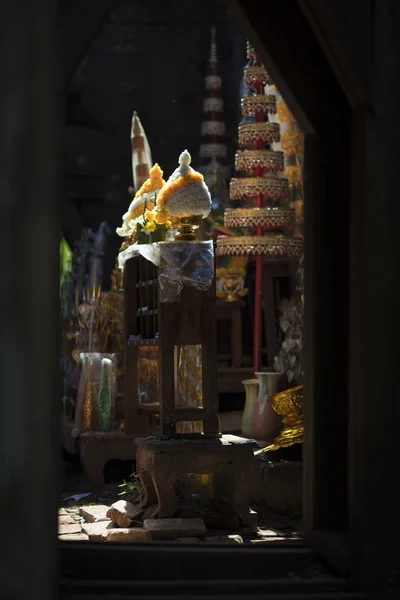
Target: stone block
[65,520]
[170,529]
[68,528]
[74,537]
[269,533]
[224,539]
[131,534]
[95,513]
[97,531]
[124,514]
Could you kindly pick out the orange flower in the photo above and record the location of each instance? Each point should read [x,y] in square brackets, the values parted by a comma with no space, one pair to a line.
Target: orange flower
[294,174]
[149,215]
[161,217]
[139,209]
[284,114]
[154,183]
[292,141]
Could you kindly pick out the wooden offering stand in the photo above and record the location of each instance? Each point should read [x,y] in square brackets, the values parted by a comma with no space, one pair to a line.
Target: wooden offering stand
[171,390]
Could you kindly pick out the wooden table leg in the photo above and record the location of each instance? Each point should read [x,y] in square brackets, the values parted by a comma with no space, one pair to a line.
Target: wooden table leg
[164,483]
[149,492]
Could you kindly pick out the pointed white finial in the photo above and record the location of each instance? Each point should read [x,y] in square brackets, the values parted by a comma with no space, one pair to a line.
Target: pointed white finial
[185,159]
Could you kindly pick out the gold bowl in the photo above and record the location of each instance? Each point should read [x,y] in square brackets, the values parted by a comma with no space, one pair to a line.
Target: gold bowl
[186,224]
[289,404]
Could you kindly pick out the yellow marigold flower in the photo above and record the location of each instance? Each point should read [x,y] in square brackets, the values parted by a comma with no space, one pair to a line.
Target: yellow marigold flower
[161,217]
[150,226]
[292,141]
[138,211]
[154,183]
[295,175]
[149,215]
[284,113]
[168,223]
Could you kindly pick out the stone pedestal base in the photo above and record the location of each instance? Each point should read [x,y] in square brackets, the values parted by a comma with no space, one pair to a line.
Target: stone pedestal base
[229,460]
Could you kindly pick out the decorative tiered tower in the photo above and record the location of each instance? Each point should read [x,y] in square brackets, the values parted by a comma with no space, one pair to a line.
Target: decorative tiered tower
[261,187]
[213,148]
[213,126]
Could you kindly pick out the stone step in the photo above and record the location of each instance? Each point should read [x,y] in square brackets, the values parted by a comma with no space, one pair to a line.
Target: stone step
[166,561]
[270,589]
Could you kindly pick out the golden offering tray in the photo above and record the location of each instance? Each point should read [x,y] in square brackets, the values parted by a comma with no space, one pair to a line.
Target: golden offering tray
[256,74]
[273,246]
[249,160]
[264,103]
[290,405]
[251,133]
[269,218]
[271,186]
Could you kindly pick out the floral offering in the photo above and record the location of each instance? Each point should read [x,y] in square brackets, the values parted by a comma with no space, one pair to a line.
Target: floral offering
[184,193]
[142,205]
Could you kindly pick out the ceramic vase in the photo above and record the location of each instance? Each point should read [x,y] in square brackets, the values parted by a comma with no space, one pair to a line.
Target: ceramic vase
[106,404]
[97,378]
[265,423]
[251,388]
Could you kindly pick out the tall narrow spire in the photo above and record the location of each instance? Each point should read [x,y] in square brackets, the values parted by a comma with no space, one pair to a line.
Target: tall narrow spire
[213,47]
[213,126]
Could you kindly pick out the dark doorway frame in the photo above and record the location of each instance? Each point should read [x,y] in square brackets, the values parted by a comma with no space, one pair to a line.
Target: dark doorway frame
[334,407]
[351,451]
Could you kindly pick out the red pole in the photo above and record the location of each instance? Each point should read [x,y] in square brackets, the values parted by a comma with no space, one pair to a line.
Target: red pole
[258,300]
[259,267]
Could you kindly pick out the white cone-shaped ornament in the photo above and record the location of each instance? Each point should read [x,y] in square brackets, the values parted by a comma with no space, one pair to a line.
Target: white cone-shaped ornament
[141,153]
[185,191]
[186,198]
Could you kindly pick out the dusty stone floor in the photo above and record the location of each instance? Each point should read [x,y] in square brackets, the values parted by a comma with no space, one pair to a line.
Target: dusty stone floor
[73,518]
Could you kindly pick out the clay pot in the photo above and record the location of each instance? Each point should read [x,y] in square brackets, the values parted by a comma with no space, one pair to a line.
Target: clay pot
[251,388]
[265,422]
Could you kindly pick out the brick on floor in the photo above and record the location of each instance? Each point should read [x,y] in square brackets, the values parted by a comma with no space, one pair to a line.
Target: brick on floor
[68,528]
[131,534]
[95,513]
[170,529]
[66,520]
[97,531]
[73,537]
[124,514]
